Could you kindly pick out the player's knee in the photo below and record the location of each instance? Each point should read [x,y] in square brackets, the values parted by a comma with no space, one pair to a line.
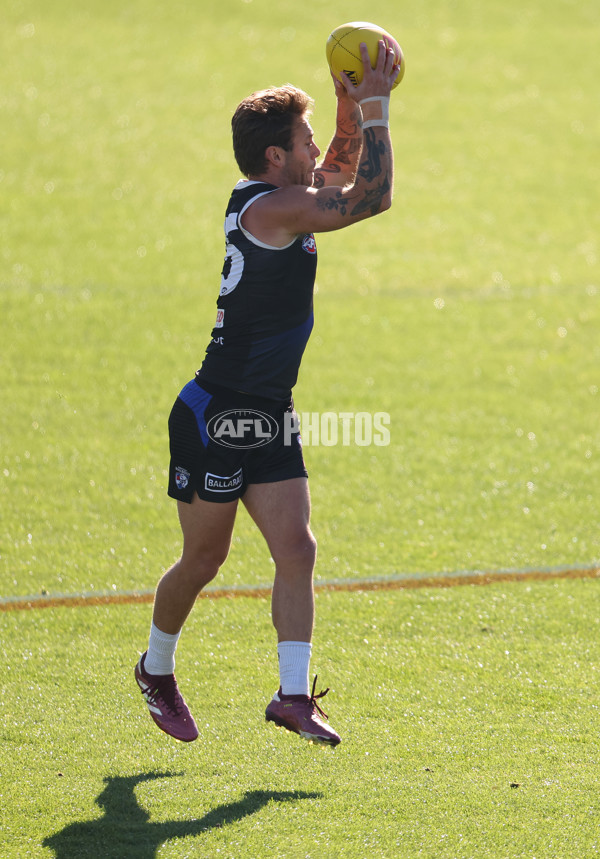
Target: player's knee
[300,550]
[311,547]
[204,566]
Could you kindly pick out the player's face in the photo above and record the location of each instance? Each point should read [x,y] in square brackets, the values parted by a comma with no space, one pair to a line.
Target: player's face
[301,160]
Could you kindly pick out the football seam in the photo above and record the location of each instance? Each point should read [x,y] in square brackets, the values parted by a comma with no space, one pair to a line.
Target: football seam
[338,43]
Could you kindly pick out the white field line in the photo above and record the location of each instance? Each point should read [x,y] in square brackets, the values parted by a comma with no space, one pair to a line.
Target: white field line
[392,582]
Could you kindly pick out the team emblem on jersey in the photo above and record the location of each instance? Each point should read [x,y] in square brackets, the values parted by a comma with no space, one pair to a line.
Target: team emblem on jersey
[220,318]
[308,244]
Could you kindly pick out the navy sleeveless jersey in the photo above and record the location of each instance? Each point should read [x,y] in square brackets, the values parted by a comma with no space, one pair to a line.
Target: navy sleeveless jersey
[264,309]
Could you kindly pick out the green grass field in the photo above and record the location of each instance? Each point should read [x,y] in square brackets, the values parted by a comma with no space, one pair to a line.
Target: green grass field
[469,313]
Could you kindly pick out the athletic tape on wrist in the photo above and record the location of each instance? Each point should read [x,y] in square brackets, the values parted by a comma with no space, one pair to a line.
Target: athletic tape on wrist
[384,101]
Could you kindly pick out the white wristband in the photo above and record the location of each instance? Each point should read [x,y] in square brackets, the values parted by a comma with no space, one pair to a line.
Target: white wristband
[376,123]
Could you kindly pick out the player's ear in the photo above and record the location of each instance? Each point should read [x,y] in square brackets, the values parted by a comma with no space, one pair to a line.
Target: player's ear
[274,155]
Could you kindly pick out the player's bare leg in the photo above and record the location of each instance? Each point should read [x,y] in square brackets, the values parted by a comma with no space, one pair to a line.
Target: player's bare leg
[282,512]
[207,530]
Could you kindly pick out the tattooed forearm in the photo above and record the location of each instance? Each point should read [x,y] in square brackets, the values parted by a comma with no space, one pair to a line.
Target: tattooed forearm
[371,188]
[346,149]
[340,163]
[374,150]
[349,126]
[371,201]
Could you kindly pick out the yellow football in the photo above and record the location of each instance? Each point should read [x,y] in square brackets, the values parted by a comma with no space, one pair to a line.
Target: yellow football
[343,49]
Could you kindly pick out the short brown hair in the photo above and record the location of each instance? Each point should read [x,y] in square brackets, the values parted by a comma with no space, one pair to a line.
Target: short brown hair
[266,118]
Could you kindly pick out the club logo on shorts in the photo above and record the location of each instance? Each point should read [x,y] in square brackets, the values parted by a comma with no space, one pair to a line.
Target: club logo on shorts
[308,244]
[242,428]
[218,483]
[182,477]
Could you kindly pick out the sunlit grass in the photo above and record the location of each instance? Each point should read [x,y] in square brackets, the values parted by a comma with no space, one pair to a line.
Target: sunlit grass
[468,313]
[466,716]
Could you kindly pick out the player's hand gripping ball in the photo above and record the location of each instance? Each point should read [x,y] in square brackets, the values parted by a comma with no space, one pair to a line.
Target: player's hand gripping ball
[343,49]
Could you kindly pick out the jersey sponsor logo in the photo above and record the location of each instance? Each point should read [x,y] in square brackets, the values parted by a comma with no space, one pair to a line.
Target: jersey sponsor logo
[242,428]
[220,483]
[220,318]
[182,477]
[309,244]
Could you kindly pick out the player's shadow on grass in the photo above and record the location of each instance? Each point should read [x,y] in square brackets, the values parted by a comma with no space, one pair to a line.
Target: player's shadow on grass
[126,830]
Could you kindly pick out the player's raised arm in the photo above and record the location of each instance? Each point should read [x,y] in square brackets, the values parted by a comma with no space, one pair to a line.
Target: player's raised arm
[370,191]
[300,207]
[341,159]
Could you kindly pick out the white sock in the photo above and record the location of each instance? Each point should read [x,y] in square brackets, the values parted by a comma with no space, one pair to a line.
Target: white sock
[160,658]
[294,661]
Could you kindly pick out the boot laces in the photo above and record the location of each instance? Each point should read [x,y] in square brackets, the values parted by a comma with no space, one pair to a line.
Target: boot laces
[314,698]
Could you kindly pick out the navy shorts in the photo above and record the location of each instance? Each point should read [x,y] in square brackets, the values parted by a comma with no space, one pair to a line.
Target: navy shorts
[222,440]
